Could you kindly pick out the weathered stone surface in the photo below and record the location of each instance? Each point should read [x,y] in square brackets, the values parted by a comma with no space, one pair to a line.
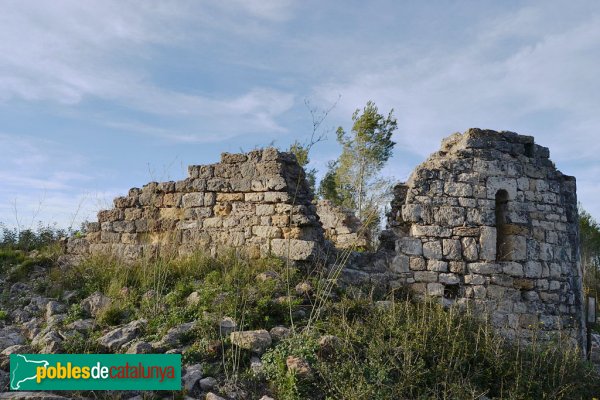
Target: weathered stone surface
[401,263]
[140,347]
[501,212]
[470,249]
[254,196]
[452,249]
[411,246]
[294,249]
[255,341]
[279,333]
[226,326]
[487,243]
[191,377]
[208,383]
[116,338]
[487,220]
[173,337]
[432,250]
[10,336]
[94,303]
[437,265]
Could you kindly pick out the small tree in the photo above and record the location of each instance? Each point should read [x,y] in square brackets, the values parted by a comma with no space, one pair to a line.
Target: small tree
[353,180]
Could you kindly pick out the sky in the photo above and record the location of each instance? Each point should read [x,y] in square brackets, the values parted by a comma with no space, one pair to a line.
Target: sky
[97,97]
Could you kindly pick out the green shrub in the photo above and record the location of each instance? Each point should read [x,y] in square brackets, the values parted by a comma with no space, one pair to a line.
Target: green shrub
[287,384]
[410,350]
[421,350]
[114,314]
[78,343]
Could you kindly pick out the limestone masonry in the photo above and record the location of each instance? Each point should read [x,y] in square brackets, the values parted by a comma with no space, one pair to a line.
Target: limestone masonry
[258,202]
[486,221]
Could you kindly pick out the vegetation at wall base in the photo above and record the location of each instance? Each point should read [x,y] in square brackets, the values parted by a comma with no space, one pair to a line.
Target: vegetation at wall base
[363,345]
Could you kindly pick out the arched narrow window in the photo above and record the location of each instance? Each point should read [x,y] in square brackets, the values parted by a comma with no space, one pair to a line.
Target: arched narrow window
[502,251]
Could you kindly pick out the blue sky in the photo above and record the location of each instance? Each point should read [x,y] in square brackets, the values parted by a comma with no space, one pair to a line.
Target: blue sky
[97,97]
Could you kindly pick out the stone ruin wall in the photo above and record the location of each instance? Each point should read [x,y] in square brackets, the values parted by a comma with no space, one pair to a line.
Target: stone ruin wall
[258,203]
[486,221]
[489,221]
[341,226]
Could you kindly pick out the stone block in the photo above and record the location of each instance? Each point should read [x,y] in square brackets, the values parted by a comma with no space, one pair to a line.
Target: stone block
[294,249]
[458,189]
[449,216]
[110,215]
[401,264]
[470,249]
[193,200]
[483,268]
[228,158]
[533,269]
[430,231]
[502,280]
[217,185]
[449,279]
[418,264]
[512,269]
[523,284]
[265,209]
[276,197]
[124,226]
[496,292]
[514,248]
[411,212]
[110,237]
[280,220]
[432,250]
[474,279]
[267,231]
[222,209]
[487,243]
[224,197]
[254,197]
[213,222]
[458,267]
[435,289]
[451,249]
[437,265]
[409,245]
[466,231]
[426,276]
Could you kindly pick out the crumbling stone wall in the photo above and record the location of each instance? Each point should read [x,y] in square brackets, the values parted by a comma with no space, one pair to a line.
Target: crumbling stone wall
[258,203]
[341,226]
[489,221]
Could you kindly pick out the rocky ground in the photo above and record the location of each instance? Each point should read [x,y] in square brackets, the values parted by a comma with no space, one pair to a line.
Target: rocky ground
[242,331]
[36,323]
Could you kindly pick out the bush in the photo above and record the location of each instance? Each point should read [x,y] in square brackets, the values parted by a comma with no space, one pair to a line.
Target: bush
[421,350]
[30,239]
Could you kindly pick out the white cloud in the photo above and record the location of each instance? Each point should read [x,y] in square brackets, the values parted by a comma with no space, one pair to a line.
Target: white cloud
[501,77]
[38,180]
[68,52]
[532,70]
